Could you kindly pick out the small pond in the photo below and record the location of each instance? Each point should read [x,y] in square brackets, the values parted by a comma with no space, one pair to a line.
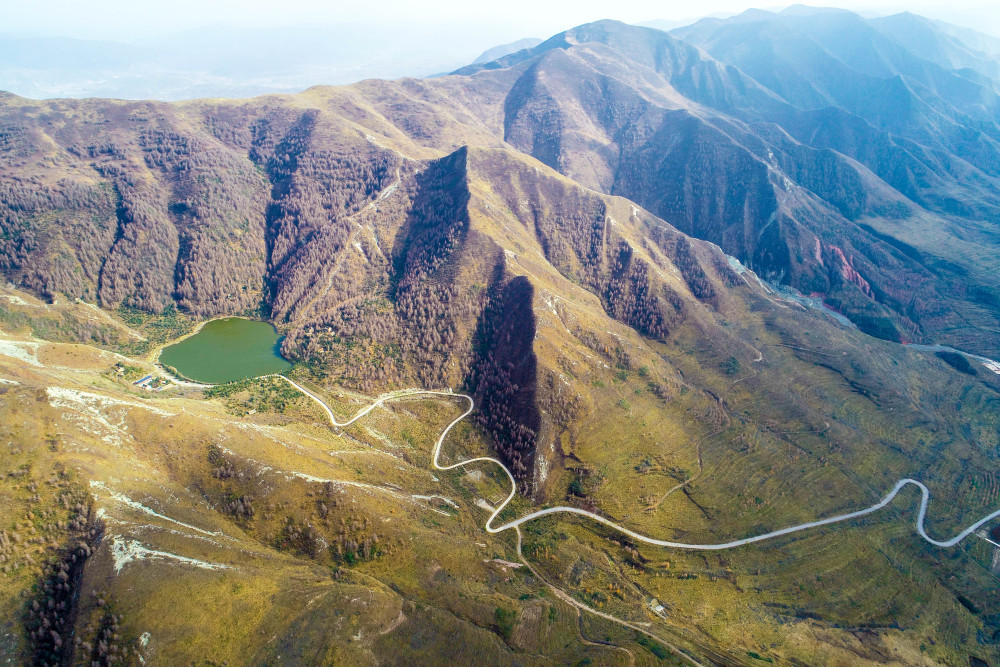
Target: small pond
[228,349]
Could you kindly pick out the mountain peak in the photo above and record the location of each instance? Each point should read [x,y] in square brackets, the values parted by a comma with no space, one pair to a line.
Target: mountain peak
[657,281]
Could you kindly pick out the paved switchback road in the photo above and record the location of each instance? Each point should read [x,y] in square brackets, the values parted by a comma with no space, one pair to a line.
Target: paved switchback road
[409,393]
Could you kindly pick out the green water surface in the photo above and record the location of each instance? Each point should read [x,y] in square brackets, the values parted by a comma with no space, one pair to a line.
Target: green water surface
[225,350]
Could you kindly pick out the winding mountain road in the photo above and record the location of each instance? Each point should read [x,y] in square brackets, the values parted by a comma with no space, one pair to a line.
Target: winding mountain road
[407,393]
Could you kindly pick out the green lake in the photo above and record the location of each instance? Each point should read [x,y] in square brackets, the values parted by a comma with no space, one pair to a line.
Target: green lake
[225,350]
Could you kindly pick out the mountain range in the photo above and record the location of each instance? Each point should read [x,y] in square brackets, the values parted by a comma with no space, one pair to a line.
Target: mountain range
[694,281]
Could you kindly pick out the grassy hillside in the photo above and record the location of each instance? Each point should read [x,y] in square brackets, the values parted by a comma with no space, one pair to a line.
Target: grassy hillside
[291,527]
[564,235]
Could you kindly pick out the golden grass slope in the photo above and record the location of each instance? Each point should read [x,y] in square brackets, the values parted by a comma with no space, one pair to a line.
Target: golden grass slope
[633,429]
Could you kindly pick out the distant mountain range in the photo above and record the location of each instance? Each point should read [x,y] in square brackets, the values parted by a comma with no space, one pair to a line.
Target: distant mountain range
[224,61]
[814,145]
[673,269]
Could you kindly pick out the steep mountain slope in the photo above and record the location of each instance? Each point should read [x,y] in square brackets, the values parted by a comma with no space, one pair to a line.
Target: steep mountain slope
[655,131]
[387,267]
[837,59]
[548,233]
[820,191]
[232,520]
[949,46]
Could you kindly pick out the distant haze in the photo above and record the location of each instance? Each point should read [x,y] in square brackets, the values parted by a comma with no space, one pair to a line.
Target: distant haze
[121,20]
[184,49]
[226,61]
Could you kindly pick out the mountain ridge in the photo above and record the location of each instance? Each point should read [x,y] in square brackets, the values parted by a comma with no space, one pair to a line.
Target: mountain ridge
[678,300]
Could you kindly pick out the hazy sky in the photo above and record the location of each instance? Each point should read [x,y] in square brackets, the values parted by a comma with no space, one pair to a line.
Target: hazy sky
[495,21]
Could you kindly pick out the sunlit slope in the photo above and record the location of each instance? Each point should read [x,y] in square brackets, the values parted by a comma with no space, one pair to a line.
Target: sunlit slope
[226,535]
[629,425]
[248,540]
[234,206]
[563,236]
